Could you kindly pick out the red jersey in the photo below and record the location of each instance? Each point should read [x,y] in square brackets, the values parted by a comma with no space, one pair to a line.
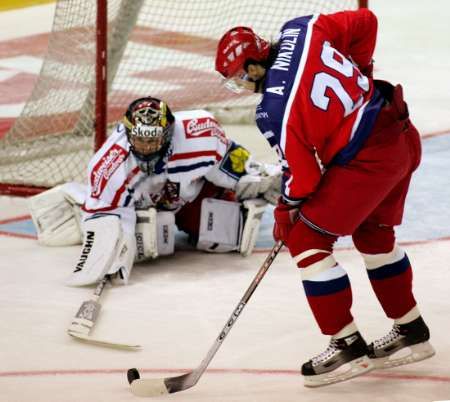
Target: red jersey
[317,107]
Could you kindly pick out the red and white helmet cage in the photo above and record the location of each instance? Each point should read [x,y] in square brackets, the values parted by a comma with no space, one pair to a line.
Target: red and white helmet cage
[236,46]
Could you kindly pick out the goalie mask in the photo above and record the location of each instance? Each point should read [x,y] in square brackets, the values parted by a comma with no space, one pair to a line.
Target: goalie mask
[149,125]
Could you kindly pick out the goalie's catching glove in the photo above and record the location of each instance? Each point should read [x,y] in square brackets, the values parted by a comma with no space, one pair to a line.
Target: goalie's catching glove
[262,181]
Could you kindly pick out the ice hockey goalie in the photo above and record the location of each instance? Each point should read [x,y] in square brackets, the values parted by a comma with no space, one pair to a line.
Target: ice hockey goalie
[157,173]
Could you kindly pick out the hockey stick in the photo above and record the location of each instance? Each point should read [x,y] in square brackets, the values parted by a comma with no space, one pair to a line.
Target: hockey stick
[85,319]
[161,386]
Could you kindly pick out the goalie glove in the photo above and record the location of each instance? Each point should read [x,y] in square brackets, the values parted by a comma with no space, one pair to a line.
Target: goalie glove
[262,181]
[56,214]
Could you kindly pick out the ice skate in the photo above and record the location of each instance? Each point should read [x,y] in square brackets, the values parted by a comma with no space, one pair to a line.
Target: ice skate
[344,358]
[404,344]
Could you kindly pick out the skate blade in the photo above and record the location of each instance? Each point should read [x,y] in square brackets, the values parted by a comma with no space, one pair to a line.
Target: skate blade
[406,355]
[354,368]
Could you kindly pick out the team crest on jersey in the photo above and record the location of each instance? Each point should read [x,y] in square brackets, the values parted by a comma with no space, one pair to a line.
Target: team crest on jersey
[234,162]
[203,127]
[169,197]
[238,157]
[105,168]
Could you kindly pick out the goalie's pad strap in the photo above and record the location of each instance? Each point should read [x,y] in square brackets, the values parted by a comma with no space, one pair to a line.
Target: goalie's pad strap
[102,237]
[56,217]
[220,225]
[254,211]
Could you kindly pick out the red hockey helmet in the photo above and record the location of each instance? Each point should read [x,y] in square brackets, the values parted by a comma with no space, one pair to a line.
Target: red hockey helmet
[236,46]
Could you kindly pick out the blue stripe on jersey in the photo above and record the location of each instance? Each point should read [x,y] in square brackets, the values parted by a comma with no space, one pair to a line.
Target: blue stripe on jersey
[280,78]
[389,270]
[323,288]
[365,126]
[188,168]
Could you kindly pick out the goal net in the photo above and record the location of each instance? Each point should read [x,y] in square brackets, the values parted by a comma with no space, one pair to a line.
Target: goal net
[164,49]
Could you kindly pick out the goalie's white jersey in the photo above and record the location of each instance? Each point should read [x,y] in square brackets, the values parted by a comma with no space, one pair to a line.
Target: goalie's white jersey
[199,151]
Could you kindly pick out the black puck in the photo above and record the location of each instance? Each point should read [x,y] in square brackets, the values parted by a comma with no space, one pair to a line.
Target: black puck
[132,374]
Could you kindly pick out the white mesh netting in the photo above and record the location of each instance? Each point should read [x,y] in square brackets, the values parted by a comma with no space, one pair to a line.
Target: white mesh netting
[164,49]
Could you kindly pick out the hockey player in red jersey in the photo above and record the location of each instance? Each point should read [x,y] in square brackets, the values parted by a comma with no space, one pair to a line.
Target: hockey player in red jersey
[348,149]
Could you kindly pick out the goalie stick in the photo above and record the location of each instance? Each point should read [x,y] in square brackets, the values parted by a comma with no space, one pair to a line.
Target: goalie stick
[161,386]
[85,319]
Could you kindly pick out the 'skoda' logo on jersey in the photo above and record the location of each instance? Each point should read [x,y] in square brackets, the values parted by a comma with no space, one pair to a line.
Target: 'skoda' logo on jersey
[105,168]
[203,127]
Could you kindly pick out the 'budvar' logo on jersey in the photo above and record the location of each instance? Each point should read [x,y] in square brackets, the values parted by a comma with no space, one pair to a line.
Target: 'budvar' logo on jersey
[105,168]
[202,127]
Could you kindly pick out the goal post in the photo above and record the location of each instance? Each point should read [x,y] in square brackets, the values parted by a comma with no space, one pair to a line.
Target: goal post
[103,54]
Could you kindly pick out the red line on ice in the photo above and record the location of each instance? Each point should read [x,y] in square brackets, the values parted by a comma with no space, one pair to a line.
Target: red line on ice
[383,375]
[15,219]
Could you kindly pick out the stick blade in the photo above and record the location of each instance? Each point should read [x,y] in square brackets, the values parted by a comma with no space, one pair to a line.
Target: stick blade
[159,386]
[103,342]
[146,387]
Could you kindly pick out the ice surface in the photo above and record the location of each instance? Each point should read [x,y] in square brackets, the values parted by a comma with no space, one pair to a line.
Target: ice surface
[176,306]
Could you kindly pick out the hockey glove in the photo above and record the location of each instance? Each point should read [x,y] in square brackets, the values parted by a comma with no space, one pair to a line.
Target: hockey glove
[285,217]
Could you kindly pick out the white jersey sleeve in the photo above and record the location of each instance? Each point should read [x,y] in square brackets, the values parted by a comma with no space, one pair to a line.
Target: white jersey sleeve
[202,151]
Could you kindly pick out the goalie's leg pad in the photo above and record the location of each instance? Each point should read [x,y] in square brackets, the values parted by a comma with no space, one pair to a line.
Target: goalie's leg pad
[56,216]
[102,237]
[220,226]
[254,211]
[145,233]
[165,228]
[155,233]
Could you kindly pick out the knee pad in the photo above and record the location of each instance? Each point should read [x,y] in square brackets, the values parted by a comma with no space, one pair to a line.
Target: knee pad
[373,238]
